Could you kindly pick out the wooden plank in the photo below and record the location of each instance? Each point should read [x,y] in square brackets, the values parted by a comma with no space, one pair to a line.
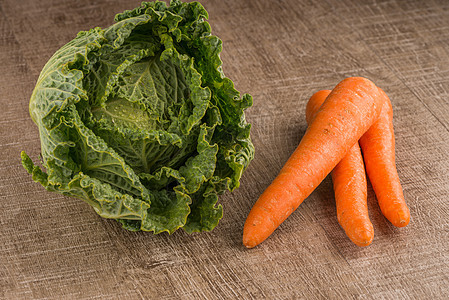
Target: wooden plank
[411,38]
[281,52]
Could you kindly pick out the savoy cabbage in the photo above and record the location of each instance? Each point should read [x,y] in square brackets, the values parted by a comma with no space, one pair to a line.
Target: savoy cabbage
[139,120]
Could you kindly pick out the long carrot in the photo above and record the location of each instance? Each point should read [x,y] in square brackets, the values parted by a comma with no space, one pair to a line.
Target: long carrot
[349,182]
[378,147]
[349,110]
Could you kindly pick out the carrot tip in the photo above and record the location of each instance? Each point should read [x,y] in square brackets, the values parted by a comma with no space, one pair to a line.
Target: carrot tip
[361,236]
[402,223]
[401,219]
[249,244]
[364,243]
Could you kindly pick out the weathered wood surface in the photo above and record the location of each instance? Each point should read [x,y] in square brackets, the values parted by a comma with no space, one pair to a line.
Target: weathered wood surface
[55,247]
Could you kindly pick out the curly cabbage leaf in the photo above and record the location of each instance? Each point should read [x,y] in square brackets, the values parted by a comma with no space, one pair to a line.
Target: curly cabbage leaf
[139,120]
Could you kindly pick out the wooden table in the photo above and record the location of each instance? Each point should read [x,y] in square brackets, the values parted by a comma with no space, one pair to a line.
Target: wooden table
[281,52]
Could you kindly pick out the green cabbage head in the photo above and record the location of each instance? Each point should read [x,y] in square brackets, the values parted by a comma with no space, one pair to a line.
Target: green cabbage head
[139,121]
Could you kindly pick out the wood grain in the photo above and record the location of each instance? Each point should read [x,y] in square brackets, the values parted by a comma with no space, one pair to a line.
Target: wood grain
[281,52]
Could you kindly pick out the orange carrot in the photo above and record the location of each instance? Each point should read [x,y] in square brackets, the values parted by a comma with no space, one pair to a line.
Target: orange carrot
[378,149]
[347,113]
[349,182]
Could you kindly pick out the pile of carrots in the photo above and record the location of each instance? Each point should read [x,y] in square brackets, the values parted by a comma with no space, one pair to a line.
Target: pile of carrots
[356,112]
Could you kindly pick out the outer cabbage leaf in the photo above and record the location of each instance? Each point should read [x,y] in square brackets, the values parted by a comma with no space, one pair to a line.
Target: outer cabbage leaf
[139,120]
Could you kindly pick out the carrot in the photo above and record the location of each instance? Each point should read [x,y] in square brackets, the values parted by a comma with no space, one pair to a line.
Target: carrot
[349,182]
[347,113]
[378,147]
